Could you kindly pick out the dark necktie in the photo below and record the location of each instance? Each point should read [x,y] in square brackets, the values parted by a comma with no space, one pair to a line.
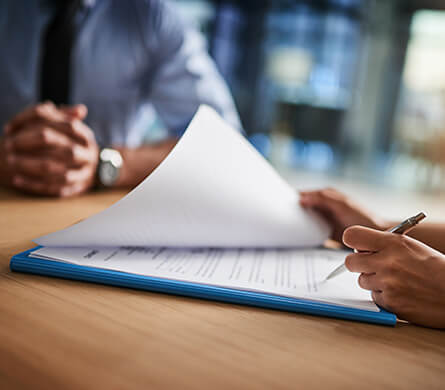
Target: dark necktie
[58,40]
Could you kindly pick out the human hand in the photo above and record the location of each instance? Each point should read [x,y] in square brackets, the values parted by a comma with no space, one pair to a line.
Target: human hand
[5,178]
[50,151]
[339,211]
[405,276]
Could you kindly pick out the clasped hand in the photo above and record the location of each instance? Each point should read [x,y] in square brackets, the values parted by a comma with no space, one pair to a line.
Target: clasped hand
[51,151]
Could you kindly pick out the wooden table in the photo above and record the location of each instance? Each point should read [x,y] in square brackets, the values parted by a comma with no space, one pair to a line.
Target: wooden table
[56,333]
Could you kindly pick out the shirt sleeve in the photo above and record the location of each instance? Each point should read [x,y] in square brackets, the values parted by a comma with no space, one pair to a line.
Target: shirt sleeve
[184,75]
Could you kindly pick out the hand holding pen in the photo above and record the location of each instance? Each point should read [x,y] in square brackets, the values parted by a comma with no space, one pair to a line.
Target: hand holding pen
[401,228]
[404,275]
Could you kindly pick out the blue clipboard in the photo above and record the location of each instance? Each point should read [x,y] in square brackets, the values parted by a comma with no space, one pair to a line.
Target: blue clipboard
[22,262]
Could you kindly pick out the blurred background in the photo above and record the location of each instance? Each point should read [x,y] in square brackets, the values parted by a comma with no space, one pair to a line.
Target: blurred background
[351,89]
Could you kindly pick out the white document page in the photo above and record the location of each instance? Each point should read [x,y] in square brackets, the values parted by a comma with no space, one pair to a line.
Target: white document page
[286,272]
[213,190]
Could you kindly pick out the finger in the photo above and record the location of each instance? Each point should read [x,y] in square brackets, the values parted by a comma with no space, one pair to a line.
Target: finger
[381,299]
[317,201]
[377,297]
[327,191]
[51,144]
[38,137]
[327,199]
[52,117]
[73,190]
[366,239]
[73,128]
[70,184]
[41,110]
[36,166]
[69,177]
[78,176]
[74,155]
[35,186]
[79,111]
[370,282]
[367,262]
[48,169]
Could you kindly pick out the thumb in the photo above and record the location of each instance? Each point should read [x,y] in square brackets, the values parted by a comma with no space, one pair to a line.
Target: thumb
[365,239]
[78,111]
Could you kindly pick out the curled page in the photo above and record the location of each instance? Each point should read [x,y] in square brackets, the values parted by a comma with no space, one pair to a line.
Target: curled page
[213,190]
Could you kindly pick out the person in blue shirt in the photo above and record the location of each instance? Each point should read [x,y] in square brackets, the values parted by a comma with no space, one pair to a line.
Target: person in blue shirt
[79,80]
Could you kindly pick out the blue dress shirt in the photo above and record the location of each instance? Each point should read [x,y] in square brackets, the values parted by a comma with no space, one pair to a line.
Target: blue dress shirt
[130,56]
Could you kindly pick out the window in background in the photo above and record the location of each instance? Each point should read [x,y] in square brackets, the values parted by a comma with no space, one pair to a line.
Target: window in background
[420,123]
[311,59]
[318,83]
[291,66]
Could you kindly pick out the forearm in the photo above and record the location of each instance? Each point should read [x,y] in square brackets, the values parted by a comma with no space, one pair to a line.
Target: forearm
[140,162]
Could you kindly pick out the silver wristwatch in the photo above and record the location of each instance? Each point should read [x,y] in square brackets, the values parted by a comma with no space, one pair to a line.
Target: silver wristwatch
[109,167]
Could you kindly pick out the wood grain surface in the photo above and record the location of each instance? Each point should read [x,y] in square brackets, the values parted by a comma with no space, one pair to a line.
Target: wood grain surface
[56,333]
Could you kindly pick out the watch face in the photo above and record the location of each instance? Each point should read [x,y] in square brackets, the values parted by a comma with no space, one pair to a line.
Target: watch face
[110,163]
[108,173]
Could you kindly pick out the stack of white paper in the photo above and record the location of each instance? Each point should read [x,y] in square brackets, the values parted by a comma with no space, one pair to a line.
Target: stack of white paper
[214,190]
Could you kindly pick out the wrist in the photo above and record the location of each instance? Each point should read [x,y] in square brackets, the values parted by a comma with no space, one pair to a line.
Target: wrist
[123,179]
[135,166]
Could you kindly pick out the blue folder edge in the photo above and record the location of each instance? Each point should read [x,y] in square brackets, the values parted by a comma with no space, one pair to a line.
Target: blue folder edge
[23,263]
